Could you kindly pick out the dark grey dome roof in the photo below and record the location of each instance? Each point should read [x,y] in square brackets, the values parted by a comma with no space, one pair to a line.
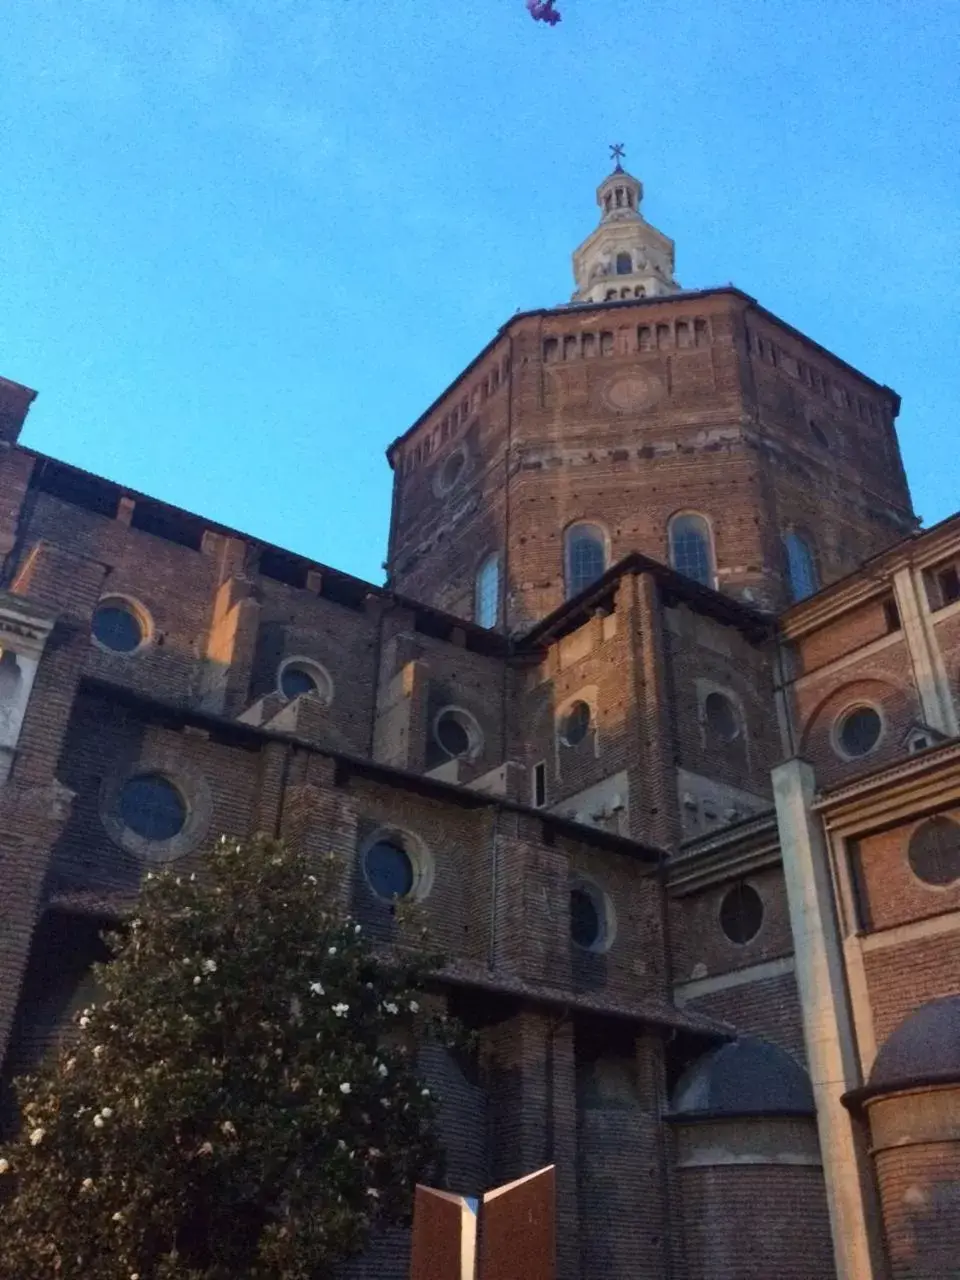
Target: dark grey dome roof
[749,1076]
[925,1046]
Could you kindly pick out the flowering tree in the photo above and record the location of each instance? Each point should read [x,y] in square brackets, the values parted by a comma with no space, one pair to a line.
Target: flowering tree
[238,1105]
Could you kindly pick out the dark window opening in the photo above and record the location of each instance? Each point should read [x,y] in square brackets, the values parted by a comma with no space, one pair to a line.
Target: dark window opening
[741,913]
[576,724]
[389,869]
[721,716]
[585,919]
[948,582]
[860,731]
[452,734]
[152,807]
[539,785]
[891,615]
[117,627]
[934,852]
[624,264]
[551,348]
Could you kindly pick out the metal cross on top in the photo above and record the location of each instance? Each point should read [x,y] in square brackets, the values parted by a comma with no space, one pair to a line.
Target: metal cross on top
[616,153]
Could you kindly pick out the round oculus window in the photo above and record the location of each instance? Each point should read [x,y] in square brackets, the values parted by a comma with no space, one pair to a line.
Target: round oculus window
[389,869]
[117,626]
[741,913]
[152,807]
[452,470]
[296,680]
[576,724]
[859,731]
[721,716]
[934,852]
[586,919]
[453,734]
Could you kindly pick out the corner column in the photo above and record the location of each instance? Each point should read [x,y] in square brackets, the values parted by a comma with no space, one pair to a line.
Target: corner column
[827,1025]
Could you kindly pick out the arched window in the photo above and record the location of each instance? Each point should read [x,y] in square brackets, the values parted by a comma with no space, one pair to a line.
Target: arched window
[585,556]
[691,552]
[624,264]
[801,566]
[486,602]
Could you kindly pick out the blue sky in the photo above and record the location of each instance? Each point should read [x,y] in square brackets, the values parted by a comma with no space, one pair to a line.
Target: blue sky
[243,243]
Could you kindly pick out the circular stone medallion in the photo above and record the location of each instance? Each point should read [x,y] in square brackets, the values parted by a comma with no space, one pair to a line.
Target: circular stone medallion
[631,392]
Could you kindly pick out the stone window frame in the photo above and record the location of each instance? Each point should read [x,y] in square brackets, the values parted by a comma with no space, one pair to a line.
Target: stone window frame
[313,668]
[415,847]
[568,542]
[194,790]
[490,560]
[139,611]
[855,704]
[470,725]
[704,689]
[606,913]
[441,486]
[764,913]
[690,513]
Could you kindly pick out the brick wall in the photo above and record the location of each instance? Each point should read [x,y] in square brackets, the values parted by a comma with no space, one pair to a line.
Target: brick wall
[699,946]
[729,1237]
[890,894]
[902,977]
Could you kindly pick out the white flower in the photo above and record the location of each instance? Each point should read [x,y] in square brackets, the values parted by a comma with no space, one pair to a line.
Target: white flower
[372,1191]
[374,1152]
[4,1166]
[193,876]
[332,951]
[341,1145]
[228,1127]
[69,1064]
[106,1112]
[390,1007]
[87,1184]
[311,879]
[118,1216]
[425,1093]
[209,966]
[150,875]
[316,988]
[341,1010]
[37,1136]
[385,1102]
[98,1051]
[134,1275]
[196,981]
[84,1021]
[414,1007]
[382,1070]
[206,1149]
[98,1122]
[356,928]
[345,1087]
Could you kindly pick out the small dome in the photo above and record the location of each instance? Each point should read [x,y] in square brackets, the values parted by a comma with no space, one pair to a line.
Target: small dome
[749,1076]
[925,1046]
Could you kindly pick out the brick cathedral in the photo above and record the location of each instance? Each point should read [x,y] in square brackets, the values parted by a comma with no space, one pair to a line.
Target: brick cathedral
[656,716]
